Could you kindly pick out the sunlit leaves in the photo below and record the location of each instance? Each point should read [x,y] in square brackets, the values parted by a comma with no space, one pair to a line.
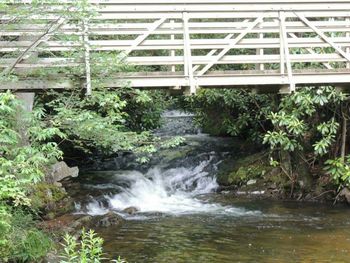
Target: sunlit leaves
[339,169]
[280,140]
[301,113]
[22,164]
[328,131]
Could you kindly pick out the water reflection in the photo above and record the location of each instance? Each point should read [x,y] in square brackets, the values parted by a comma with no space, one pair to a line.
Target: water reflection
[288,232]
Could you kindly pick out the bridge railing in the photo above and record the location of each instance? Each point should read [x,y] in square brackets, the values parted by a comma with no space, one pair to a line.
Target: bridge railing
[191,43]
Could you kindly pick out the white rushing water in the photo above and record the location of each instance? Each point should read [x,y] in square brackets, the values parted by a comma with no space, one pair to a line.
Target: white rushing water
[171,191]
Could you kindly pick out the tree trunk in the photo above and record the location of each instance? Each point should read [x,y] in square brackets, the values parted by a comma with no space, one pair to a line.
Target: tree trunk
[344,134]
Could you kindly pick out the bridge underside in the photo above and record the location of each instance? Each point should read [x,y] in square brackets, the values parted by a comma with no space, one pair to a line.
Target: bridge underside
[261,45]
[257,81]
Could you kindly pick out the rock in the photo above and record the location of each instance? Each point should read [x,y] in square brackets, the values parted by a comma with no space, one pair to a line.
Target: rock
[50,200]
[60,171]
[251,182]
[81,222]
[273,186]
[240,171]
[345,193]
[107,220]
[308,197]
[131,210]
[88,222]
[52,257]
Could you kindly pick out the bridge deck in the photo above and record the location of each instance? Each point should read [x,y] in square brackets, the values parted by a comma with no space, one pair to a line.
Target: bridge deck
[187,43]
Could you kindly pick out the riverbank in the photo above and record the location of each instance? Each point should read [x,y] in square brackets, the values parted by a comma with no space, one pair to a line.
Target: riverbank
[254,177]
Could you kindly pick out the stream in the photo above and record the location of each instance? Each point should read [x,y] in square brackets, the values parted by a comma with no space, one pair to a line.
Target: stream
[181,217]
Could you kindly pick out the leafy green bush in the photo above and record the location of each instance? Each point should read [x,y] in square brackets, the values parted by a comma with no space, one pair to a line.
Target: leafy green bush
[20,240]
[87,250]
[339,169]
[233,112]
[25,149]
[25,152]
[306,119]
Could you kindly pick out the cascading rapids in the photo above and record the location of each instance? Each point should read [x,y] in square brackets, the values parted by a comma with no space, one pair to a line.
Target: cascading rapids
[170,191]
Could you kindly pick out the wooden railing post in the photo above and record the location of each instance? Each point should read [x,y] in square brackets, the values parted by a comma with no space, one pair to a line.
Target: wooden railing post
[87,56]
[188,66]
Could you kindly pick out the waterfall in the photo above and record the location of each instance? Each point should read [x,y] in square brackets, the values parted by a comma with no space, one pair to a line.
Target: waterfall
[177,122]
[180,187]
[170,191]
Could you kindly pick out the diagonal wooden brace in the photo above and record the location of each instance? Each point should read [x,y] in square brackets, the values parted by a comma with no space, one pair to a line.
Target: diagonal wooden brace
[321,34]
[143,37]
[42,38]
[231,44]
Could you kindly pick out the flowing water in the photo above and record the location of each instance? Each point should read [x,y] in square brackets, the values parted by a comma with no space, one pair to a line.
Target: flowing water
[182,218]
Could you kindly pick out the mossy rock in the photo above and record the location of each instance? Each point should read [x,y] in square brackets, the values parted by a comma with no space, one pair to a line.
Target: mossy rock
[278,178]
[174,154]
[50,200]
[242,170]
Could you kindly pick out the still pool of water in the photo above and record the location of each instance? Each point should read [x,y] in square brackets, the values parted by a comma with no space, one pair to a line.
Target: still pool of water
[266,232]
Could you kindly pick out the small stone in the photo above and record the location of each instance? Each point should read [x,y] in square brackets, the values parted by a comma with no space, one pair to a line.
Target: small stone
[251,182]
[131,210]
[109,219]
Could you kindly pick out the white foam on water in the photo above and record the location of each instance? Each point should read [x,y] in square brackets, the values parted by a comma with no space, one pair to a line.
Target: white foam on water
[171,191]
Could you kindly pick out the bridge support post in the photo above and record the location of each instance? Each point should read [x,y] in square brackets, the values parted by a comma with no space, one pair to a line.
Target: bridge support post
[27,99]
[285,89]
[348,49]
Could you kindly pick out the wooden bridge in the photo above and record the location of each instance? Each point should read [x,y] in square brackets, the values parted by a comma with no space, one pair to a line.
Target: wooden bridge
[187,43]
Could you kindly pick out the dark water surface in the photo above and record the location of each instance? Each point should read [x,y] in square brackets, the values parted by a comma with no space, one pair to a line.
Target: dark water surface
[273,232]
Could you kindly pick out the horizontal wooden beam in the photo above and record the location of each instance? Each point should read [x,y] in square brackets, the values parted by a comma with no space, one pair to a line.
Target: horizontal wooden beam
[179,60]
[167,44]
[214,79]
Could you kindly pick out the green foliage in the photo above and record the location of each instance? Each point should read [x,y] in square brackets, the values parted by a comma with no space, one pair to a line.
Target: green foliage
[20,240]
[339,169]
[144,108]
[25,149]
[25,152]
[306,118]
[233,112]
[87,250]
[305,122]
[328,131]
[173,142]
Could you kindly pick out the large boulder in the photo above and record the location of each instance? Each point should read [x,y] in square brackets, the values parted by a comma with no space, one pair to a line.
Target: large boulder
[60,171]
[345,192]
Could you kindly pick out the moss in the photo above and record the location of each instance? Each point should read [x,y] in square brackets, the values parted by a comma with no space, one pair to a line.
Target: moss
[50,200]
[44,194]
[171,154]
[278,178]
[243,170]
